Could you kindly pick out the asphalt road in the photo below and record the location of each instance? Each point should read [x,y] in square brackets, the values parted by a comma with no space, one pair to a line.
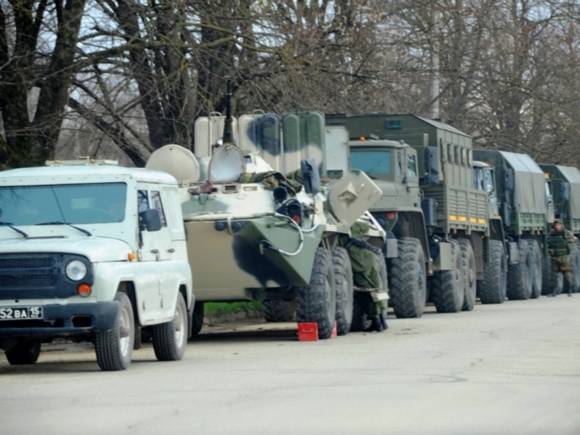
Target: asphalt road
[503,369]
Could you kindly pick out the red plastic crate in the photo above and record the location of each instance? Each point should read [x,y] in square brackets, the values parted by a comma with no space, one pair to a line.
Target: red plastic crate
[308,331]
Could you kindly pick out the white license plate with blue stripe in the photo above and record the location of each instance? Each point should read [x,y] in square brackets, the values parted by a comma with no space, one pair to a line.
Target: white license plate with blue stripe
[20,313]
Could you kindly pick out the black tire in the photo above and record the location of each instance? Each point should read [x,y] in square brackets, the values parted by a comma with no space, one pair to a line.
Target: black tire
[114,348]
[278,310]
[343,284]
[519,282]
[197,320]
[448,285]
[362,319]
[317,302]
[25,352]
[493,287]
[536,268]
[170,338]
[408,289]
[469,274]
[546,276]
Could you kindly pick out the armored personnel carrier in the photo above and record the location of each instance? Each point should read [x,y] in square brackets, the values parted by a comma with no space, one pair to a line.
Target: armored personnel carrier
[443,237]
[565,188]
[262,225]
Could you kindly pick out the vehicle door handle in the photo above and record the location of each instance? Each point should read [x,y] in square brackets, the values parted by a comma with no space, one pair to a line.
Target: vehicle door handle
[155,251]
[171,250]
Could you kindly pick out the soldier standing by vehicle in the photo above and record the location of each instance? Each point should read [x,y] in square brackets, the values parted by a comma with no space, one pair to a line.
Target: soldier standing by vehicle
[559,242]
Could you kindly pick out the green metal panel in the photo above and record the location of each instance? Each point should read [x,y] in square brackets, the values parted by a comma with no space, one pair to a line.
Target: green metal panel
[312,129]
[291,131]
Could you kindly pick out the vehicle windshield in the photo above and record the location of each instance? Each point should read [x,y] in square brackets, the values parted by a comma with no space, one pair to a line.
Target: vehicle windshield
[98,203]
[376,162]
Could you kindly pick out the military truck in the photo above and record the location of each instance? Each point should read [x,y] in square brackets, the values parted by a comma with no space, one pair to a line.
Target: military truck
[443,239]
[523,198]
[90,251]
[261,225]
[564,182]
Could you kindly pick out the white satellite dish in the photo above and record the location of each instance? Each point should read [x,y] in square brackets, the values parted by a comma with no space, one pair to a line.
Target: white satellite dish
[177,161]
[226,164]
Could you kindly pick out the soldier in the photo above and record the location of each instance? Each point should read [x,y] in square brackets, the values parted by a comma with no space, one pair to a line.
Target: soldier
[559,242]
[367,274]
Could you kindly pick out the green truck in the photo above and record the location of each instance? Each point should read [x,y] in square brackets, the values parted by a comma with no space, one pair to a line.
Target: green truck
[445,244]
[523,198]
[564,182]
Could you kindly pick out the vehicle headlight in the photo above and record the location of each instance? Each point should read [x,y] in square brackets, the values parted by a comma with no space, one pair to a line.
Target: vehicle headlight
[76,270]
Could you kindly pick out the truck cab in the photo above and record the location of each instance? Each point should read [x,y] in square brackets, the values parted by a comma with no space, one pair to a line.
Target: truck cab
[91,251]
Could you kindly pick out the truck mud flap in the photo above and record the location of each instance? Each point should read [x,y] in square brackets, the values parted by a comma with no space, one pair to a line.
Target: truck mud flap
[514,253]
[444,260]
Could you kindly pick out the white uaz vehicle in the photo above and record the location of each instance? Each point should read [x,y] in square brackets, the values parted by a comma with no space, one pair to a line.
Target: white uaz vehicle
[92,252]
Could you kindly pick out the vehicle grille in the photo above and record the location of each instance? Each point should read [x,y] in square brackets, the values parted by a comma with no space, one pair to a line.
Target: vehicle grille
[29,276]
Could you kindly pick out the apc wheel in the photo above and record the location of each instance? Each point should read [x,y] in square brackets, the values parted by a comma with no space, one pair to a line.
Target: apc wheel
[278,310]
[25,352]
[520,285]
[536,268]
[197,321]
[408,280]
[114,348]
[317,302]
[546,276]
[448,285]
[469,274]
[170,338]
[494,283]
[343,284]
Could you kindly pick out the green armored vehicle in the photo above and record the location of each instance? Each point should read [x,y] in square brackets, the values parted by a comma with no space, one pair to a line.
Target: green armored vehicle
[262,225]
[523,197]
[443,238]
[565,187]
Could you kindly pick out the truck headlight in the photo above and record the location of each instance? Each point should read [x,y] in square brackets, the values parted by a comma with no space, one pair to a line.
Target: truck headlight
[76,270]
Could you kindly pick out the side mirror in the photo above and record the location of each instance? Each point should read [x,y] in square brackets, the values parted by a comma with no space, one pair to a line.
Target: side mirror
[430,167]
[509,182]
[150,220]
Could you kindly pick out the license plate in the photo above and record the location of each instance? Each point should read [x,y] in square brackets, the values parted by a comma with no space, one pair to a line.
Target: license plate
[20,313]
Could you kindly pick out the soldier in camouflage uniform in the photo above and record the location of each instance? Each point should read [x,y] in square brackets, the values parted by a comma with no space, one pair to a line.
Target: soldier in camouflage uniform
[366,272]
[559,241]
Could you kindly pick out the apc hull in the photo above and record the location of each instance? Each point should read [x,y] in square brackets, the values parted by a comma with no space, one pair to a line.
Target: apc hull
[228,260]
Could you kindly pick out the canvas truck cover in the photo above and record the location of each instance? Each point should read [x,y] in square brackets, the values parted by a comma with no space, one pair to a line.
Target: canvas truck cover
[529,181]
[572,175]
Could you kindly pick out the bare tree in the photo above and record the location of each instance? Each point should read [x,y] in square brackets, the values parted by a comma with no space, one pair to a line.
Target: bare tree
[37,50]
